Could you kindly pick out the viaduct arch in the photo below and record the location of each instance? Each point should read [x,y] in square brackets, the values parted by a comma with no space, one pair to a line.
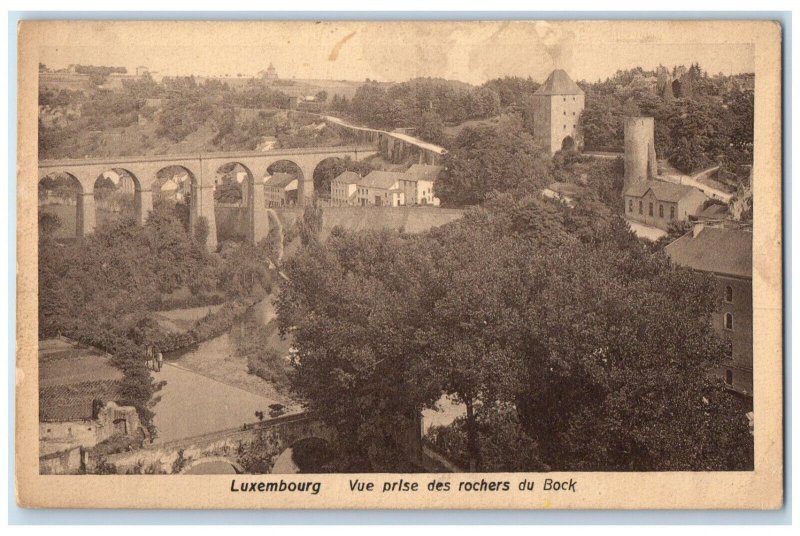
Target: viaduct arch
[202,169]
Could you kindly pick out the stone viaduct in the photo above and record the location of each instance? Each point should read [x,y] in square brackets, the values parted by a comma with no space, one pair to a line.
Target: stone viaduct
[202,170]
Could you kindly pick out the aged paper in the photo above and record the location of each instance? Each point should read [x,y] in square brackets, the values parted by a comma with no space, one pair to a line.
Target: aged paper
[406,265]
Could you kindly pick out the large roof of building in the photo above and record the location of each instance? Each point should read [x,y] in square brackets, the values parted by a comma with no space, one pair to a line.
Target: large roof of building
[382,179]
[714,249]
[279,180]
[559,83]
[664,191]
[348,177]
[423,172]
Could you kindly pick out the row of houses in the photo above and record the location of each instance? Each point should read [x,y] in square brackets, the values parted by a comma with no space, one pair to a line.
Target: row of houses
[386,188]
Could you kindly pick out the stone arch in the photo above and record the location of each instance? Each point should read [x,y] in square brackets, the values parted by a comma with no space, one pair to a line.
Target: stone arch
[58,193]
[118,189]
[279,189]
[306,455]
[182,196]
[319,180]
[568,144]
[234,201]
[212,465]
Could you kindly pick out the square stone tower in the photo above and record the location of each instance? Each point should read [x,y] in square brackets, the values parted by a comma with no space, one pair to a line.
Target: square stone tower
[557,106]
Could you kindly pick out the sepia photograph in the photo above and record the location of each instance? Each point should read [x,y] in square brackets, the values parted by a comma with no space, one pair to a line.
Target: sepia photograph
[518,250]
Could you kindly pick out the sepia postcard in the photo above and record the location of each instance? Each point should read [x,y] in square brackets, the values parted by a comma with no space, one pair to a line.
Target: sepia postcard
[400,264]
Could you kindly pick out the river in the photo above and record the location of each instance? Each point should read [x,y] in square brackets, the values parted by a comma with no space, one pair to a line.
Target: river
[208,385]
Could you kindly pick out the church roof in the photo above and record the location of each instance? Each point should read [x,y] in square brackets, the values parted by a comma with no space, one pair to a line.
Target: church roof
[717,250]
[559,83]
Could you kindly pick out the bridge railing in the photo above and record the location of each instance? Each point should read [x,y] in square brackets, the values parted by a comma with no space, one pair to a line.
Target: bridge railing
[207,156]
[247,427]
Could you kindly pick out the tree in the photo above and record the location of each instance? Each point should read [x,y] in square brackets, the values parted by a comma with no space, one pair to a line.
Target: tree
[468,345]
[487,158]
[697,135]
[430,127]
[311,224]
[603,349]
[201,231]
[354,313]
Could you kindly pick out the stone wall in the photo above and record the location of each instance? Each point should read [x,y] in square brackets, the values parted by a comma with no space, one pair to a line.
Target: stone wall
[416,219]
[231,222]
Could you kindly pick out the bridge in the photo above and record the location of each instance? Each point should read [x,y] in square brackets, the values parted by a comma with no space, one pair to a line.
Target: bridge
[394,146]
[273,437]
[203,172]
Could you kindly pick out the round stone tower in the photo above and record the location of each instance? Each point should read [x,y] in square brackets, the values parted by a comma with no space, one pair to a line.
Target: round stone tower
[640,149]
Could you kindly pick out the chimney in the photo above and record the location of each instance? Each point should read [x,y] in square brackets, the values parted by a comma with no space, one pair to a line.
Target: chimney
[697,229]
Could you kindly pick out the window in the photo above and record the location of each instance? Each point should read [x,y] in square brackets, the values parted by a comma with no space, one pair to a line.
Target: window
[650,209]
[565,112]
[565,127]
[729,377]
[660,210]
[672,213]
[565,99]
[573,100]
[573,113]
[728,321]
[728,349]
[630,205]
[729,294]
[640,207]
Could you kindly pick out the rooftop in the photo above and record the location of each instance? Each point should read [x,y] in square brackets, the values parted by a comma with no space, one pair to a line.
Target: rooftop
[348,177]
[714,212]
[422,172]
[664,191]
[716,250]
[559,83]
[279,180]
[382,179]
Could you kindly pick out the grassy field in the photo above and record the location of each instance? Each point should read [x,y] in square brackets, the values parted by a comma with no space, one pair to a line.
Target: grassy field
[61,363]
[177,320]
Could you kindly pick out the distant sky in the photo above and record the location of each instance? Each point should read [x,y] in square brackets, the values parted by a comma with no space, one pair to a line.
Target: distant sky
[471,52]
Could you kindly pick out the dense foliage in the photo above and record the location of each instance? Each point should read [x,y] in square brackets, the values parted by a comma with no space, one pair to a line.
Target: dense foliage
[101,290]
[409,104]
[488,158]
[570,344]
[700,119]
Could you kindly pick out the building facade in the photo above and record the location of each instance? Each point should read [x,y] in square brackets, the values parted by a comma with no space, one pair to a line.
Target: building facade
[727,255]
[381,189]
[417,185]
[344,189]
[280,190]
[557,106]
[659,204]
